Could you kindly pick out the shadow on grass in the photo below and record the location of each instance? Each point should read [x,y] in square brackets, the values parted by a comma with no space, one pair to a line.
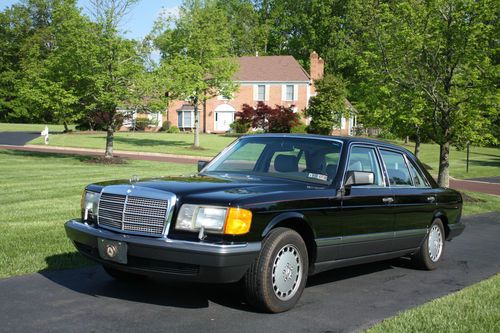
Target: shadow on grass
[81,158]
[141,142]
[94,281]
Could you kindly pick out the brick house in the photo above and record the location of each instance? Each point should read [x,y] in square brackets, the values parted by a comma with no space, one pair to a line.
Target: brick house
[274,80]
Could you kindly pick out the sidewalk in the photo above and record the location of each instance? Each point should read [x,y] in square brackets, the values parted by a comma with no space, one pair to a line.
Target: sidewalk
[457,184]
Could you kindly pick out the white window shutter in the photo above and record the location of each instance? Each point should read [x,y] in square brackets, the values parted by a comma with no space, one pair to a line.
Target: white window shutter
[283,92]
[295,92]
[255,92]
[267,93]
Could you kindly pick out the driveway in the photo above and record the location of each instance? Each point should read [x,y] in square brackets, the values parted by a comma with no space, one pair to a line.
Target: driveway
[17,138]
[343,300]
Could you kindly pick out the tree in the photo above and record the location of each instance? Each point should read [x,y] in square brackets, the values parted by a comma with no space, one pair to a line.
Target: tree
[117,62]
[328,106]
[195,56]
[438,55]
[279,119]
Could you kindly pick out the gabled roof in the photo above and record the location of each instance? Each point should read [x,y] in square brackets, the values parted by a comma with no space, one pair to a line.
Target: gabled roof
[271,69]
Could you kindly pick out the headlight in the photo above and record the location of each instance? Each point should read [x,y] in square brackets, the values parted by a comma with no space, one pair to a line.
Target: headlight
[233,221]
[90,200]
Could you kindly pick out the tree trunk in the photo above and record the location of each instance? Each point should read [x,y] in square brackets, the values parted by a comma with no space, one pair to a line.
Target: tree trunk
[109,142]
[196,125]
[66,130]
[444,164]
[417,143]
[407,139]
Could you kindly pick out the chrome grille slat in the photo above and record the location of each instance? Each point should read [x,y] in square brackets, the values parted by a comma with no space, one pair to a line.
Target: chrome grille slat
[134,214]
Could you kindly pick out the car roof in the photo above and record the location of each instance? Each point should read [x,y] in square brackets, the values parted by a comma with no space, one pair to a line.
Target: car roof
[344,139]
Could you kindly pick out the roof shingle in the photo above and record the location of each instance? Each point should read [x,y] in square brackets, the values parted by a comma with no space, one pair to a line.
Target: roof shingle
[270,68]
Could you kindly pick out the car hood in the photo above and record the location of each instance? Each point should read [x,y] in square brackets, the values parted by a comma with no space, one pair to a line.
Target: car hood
[225,190]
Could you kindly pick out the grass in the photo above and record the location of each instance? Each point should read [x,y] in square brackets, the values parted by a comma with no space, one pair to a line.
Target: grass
[12,127]
[484,161]
[473,309]
[161,142]
[39,193]
[485,203]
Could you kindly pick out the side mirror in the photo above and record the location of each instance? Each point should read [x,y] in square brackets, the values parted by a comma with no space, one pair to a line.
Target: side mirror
[201,165]
[355,178]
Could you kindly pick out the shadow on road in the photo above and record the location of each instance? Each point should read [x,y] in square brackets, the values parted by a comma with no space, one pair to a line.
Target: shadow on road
[95,282]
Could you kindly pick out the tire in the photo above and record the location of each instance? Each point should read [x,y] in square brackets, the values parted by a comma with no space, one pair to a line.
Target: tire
[276,279]
[122,275]
[431,251]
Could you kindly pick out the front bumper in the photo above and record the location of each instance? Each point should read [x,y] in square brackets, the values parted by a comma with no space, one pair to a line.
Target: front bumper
[193,261]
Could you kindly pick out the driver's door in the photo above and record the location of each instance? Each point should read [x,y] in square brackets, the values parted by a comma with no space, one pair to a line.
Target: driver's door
[368,210]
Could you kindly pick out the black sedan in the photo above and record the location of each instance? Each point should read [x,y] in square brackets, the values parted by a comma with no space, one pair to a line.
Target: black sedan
[270,210]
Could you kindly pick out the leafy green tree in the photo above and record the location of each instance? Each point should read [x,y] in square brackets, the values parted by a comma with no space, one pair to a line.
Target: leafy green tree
[438,58]
[328,106]
[195,51]
[117,62]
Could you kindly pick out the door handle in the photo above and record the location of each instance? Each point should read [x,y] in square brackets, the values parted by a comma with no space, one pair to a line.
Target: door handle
[431,199]
[387,200]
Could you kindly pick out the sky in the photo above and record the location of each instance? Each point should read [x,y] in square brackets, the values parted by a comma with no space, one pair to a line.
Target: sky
[141,19]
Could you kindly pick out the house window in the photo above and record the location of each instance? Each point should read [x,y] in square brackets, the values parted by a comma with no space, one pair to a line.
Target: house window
[289,93]
[261,92]
[185,119]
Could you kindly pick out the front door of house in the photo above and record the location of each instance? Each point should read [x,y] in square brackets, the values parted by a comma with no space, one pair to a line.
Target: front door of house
[223,119]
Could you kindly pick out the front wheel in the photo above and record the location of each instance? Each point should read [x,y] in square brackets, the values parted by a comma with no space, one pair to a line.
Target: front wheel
[276,279]
[430,253]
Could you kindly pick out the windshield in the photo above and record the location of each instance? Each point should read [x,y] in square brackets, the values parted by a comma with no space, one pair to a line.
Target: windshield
[310,160]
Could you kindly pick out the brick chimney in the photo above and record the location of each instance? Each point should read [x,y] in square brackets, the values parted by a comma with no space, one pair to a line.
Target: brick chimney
[317,66]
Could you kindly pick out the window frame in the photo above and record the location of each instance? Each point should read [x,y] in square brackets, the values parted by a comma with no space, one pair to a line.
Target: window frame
[417,169]
[379,162]
[286,92]
[181,113]
[258,93]
[405,159]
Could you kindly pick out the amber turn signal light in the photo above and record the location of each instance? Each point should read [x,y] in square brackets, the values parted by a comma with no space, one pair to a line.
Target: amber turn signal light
[238,221]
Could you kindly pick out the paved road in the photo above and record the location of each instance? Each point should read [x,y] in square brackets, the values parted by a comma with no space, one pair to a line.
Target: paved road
[344,300]
[17,138]
[495,180]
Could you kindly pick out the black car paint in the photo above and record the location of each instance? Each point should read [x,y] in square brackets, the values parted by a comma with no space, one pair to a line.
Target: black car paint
[343,225]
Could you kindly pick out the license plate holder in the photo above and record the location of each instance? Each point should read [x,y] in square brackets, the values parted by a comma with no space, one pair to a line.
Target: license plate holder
[112,250]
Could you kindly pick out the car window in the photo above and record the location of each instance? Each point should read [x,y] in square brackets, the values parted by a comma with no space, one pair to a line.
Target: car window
[397,170]
[418,179]
[244,159]
[365,159]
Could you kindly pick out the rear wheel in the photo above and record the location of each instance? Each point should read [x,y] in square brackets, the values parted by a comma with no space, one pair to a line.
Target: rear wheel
[276,279]
[122,275]
[430,253]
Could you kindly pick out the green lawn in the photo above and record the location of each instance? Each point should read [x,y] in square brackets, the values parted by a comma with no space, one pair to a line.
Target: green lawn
[159,142]
[12,127]
[473,309]
[486,203]
[483,161]
[39,193]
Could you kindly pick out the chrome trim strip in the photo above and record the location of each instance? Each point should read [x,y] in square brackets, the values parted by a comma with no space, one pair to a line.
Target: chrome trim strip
[341,240]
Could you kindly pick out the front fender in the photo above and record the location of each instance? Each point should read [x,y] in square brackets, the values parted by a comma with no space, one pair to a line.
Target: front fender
[280,218]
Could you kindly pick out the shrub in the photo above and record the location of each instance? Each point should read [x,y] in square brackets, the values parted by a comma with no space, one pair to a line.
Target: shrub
[166,125]
[173,129]
[299,128]
[280,119]
[240,126]
[141,124]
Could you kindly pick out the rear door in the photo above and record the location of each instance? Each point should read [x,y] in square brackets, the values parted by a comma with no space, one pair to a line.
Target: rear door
[367,215]
[415,200]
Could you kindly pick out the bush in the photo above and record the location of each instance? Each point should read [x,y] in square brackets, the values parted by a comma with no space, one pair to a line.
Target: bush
[166,125]
[280,119]
[300,128]
[141,124]
[240,126]
[173,129]
[387,135]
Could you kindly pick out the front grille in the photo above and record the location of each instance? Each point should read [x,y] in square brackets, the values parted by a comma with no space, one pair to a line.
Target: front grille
[132,214]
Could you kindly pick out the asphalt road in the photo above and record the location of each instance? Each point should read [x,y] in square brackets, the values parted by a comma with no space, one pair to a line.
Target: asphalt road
[343,300]
[17,138]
